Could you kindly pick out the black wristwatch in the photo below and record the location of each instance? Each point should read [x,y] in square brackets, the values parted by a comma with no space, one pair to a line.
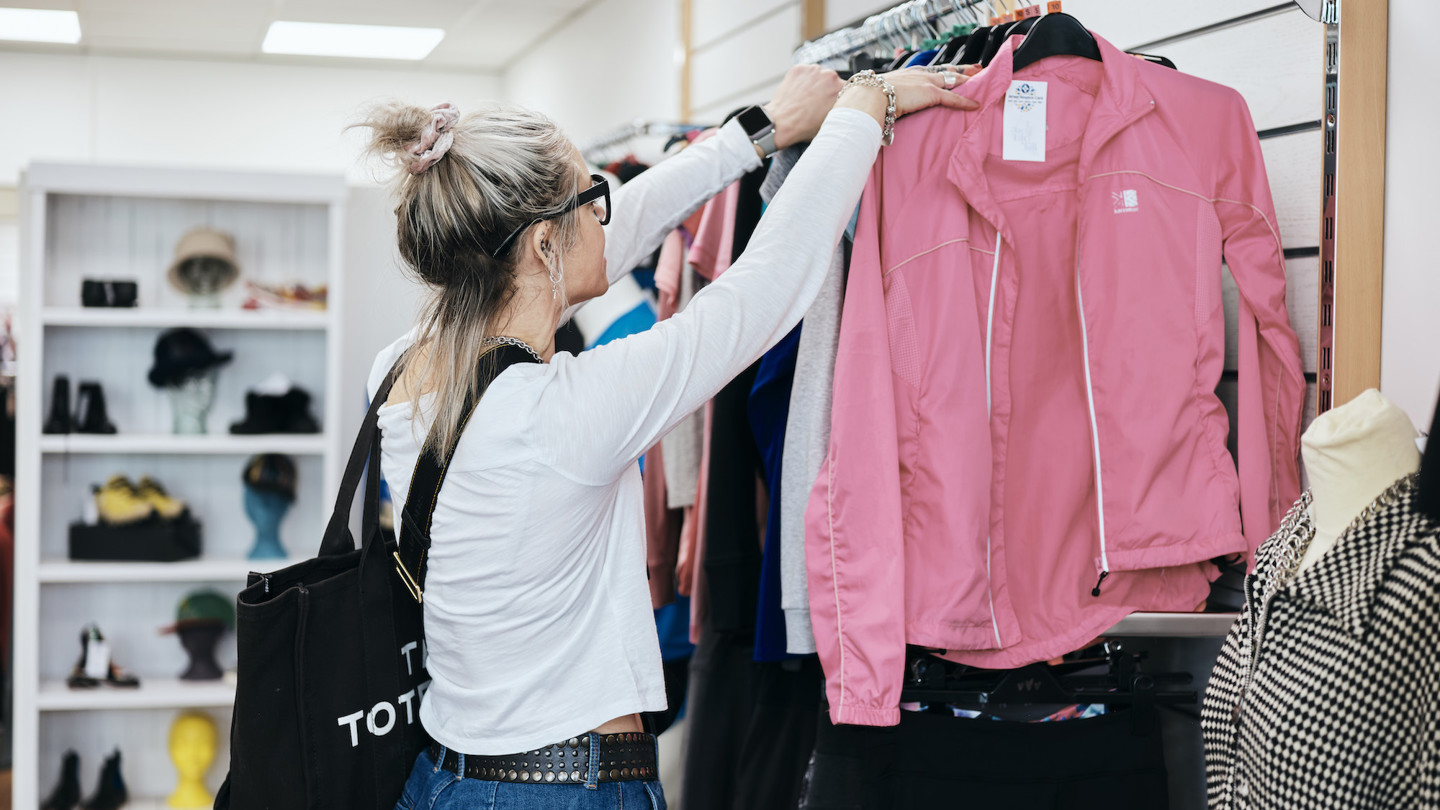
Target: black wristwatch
[758,126]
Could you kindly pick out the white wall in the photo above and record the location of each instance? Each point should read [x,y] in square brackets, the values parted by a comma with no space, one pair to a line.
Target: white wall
[1410,348]
[213,113]
[614,62]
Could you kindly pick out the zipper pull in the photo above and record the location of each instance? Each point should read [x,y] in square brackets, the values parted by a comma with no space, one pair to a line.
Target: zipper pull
[1099,582]
[266,579]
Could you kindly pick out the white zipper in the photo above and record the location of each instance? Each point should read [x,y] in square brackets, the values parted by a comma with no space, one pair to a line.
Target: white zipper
[1094,431]
[989,335]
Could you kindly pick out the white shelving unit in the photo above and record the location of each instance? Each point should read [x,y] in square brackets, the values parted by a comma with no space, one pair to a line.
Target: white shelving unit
[114,222]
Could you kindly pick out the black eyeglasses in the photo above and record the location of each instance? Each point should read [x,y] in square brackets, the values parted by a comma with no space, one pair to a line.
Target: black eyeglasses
[599,191]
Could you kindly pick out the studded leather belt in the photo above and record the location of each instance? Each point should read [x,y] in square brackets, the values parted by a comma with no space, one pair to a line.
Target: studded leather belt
[621,758]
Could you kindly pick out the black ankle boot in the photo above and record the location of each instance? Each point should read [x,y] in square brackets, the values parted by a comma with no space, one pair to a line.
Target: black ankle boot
[67,792]
[111,793]
[59,419]
[90,414]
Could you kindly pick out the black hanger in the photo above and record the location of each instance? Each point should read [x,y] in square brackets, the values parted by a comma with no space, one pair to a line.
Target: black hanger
[951,49]
[997,38]
[932,680]
[1056,34]
[1430,471]
[900,60]
[974,47]
[1155,59]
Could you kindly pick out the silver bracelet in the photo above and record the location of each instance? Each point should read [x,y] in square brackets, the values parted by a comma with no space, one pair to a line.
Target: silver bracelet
[868,78]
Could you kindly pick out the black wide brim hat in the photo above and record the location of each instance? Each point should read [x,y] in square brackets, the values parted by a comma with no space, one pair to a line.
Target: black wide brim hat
[273,473]
[183,354]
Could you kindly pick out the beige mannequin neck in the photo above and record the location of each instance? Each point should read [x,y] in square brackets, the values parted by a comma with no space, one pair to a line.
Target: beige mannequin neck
[1352,454]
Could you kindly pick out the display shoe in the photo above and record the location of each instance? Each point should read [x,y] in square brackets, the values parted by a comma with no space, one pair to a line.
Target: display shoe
[110,794]
[67,793]
[165,506]
[80,677]
[59,419]
[90,414]
[120,504]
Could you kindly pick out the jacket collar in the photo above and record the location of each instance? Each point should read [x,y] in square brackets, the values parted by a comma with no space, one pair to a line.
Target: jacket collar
[1122,99]
[1345,581]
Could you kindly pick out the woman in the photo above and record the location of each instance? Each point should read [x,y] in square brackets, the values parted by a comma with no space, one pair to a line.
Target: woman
[537,613]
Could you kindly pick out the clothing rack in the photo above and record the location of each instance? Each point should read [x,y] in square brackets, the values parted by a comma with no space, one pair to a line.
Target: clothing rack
[896,27]
[633,130]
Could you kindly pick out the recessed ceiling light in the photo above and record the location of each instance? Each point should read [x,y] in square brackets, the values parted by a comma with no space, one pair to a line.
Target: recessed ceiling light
[39,25]
[357,41]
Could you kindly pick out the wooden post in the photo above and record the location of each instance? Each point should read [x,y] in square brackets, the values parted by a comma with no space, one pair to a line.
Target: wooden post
[813,20]
[686,18]
[1359,224]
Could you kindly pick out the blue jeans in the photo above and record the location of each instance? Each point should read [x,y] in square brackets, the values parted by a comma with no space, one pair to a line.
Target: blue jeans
[431,788]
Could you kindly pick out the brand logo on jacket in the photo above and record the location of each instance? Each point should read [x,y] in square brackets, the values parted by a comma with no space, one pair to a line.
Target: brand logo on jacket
[1126,202]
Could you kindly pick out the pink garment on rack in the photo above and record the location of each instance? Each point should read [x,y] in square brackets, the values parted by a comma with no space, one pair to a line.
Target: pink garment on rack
[715,237]
[1026,441]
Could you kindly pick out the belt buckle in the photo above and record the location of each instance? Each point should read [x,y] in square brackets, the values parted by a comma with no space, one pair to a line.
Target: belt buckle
[407,579]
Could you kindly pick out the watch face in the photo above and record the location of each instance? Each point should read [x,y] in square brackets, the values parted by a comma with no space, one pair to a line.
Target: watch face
[754,120]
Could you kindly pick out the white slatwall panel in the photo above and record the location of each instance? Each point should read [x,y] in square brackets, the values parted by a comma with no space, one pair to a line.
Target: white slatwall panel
[135,238]
[755,57]
[713,19]
[1274,62]
[1295,164]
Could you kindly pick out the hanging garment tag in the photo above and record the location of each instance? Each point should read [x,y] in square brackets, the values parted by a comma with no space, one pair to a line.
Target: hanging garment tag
[1025,121]
[97,658]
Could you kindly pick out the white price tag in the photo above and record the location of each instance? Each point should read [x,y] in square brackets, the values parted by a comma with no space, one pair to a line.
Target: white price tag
[1025,121]
[97,659]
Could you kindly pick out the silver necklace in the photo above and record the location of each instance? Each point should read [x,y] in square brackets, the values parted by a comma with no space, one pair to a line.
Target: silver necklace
[495,340]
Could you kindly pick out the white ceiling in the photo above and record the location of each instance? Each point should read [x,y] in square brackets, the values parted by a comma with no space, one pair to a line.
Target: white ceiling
[479,34]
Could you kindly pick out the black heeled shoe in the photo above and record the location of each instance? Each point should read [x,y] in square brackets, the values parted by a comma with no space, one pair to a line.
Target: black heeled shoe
[59,419]
[67,793]
[114,675]
[90,413]
[111,793]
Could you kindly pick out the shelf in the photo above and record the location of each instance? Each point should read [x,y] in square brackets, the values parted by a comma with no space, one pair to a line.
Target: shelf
[154,693]
[306,444]
[65,571]
[1174,625]
[141,317]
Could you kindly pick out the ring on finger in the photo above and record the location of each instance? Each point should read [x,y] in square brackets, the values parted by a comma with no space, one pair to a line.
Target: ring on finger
[949,79]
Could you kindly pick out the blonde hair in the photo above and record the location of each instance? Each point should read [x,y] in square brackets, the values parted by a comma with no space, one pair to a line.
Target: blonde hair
[507,167]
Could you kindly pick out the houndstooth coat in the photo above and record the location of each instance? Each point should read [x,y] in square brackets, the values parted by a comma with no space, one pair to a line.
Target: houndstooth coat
[1341,707]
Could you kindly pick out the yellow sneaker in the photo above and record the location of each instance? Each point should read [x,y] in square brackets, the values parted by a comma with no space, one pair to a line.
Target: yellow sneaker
[118,503]
[151,492]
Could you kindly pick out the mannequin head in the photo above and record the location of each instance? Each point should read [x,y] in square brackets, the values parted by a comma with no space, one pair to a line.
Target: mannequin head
[266,510]
[192,749]
[202,278]
[190,403]
[200,641]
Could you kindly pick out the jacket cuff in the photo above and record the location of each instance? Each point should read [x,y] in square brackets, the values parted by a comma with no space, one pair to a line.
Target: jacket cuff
[864,716]
[737,147]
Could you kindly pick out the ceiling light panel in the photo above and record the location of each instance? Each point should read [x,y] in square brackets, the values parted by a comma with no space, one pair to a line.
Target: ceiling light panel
[353,41]
[39,25]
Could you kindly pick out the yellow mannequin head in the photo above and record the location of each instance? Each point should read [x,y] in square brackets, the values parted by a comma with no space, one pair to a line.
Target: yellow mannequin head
[192,749]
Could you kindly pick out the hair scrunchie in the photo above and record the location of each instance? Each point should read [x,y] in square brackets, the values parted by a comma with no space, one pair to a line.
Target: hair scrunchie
[436,139]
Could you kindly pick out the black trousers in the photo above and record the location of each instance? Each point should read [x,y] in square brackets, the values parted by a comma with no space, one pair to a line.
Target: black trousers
[932,760]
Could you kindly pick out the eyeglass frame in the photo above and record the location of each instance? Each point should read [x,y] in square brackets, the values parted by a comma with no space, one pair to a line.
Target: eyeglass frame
[600,188]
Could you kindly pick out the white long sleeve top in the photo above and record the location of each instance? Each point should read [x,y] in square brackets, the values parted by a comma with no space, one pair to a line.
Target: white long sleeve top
[537,610]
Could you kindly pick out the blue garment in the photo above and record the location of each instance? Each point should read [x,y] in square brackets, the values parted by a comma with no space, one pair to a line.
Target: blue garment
[638,319]
[922,58]
[430,788]
[769,409]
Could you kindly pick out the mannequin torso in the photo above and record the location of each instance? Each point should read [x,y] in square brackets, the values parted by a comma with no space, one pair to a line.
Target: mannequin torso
[1351,454]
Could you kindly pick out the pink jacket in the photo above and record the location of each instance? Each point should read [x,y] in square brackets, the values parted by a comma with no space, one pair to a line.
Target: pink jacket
[1026,442]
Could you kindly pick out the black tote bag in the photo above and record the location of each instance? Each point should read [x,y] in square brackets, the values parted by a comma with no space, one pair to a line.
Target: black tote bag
[331,651]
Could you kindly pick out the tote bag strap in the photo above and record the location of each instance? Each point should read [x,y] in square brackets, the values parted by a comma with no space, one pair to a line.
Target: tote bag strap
[337,539]
[414,542]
